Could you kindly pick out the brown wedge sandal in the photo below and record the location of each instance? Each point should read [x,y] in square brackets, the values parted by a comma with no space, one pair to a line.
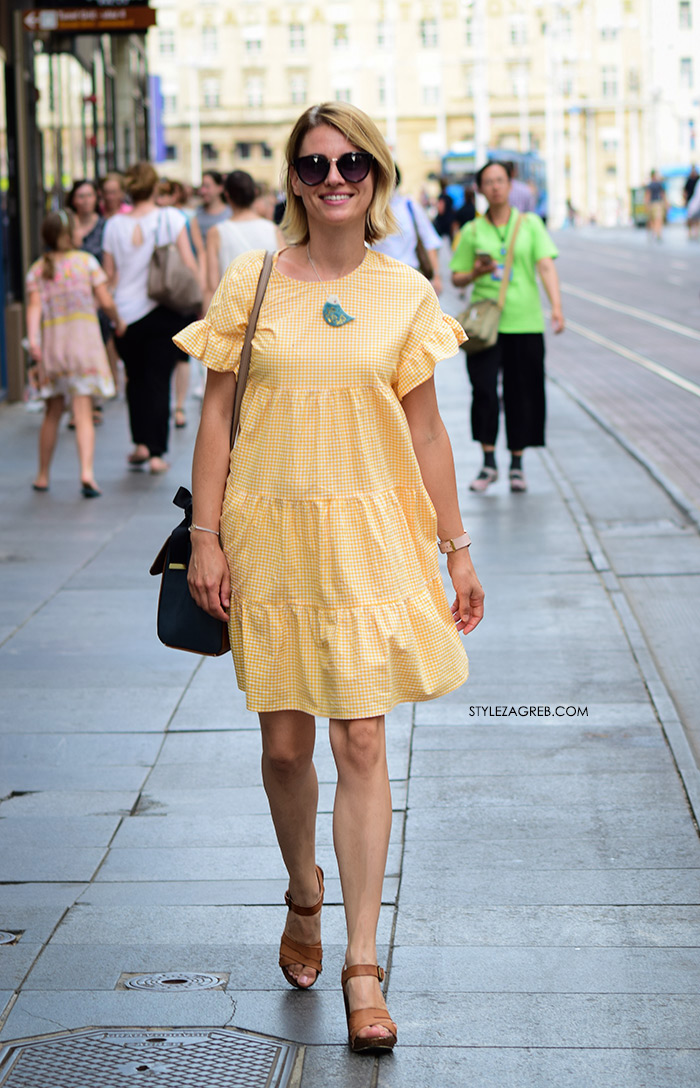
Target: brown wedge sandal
[365,1018]
[309,955]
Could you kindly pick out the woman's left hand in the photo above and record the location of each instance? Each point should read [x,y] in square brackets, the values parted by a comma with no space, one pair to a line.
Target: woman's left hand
[557,321]
[468,607]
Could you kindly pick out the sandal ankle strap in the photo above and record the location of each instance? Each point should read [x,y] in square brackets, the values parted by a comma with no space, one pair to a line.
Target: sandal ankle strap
[306,912]
[359,969]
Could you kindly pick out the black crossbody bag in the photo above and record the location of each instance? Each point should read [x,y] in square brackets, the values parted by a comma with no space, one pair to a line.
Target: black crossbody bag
[181,623]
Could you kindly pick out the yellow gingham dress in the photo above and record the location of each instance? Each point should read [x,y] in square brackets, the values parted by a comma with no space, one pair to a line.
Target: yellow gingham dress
[337,604]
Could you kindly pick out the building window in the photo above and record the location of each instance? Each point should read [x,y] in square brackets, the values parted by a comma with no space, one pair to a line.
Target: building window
[686,72]
[209,153]
[609,33]
[266,150]
[254,91]
[166,42]
[341,37]
[518,30]
[382,35]
[609,145]
[254,43]
[242,150]
[567,87]
[169,103]
[170,153]
[210,40]
[685,15]
[342,94]
[429,33]
[210,93]
[297,37]
[431,94]
[609,81]
[633,81]
[297,90]
[381,90]
[469,33]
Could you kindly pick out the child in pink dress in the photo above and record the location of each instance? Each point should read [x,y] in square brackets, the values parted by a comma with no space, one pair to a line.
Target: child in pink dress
[64,289]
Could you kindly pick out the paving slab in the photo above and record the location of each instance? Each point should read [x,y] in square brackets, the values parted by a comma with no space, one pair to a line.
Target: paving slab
[547,1020]
[488,887]
[49,864]
[29,831]
[68,804]
[526,1067]
[16,961]
[90,708]
[210,830]
[522,822]
[593,789]
[207,863]
[251,966]
[572,926]
[88,749]
[127,926]
[40,895]
[576,852]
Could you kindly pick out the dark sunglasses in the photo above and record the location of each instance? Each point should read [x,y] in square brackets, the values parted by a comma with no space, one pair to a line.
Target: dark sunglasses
[353,166]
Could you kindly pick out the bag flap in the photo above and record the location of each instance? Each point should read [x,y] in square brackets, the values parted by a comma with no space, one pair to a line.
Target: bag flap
[158,564]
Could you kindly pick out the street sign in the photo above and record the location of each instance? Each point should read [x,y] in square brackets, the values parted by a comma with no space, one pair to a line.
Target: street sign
[89,20]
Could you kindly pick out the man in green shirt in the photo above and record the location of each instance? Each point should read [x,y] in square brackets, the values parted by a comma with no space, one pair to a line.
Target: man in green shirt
[479,258]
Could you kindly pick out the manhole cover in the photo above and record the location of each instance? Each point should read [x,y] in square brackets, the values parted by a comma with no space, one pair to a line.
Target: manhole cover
[173,981]
[188,1058]
[8,938]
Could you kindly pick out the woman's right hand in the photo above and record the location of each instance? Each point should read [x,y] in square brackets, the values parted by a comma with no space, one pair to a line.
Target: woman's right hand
[208,576]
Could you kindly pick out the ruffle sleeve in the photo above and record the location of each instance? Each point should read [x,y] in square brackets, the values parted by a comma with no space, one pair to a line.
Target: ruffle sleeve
[433,336]
[218,339]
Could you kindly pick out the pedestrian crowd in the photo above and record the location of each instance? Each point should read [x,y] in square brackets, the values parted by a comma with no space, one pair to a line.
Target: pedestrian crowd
[91,314]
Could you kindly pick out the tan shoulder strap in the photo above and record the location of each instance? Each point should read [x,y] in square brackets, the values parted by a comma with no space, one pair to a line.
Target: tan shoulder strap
[509,264]
[247,344]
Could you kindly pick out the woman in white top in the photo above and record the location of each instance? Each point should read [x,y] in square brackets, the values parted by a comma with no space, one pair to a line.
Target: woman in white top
[146,347]
[245,230]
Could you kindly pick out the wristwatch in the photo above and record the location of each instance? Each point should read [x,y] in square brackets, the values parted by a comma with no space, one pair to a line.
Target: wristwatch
[454,545]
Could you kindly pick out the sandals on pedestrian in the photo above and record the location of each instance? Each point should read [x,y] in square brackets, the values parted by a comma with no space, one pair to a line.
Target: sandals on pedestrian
[291,951]
[517,480]
[486,477]
[368,1017]
[180,418]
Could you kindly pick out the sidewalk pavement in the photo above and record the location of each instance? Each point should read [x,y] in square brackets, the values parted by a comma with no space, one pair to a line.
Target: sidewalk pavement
[540,917]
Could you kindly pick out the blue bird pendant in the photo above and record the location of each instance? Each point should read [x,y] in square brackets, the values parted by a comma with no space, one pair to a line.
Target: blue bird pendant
[334,314]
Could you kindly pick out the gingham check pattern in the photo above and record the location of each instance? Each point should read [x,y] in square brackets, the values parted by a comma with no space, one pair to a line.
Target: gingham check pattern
[338,607]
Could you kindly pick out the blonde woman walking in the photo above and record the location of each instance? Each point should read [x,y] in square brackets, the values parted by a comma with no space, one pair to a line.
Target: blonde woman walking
[318,538]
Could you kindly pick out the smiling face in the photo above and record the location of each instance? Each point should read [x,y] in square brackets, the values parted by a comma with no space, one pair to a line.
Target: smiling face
[334,201]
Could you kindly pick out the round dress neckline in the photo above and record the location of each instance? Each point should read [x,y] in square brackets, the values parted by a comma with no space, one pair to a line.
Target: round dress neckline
[318,283]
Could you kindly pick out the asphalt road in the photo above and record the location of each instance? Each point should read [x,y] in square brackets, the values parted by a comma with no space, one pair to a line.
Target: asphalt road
[632,347]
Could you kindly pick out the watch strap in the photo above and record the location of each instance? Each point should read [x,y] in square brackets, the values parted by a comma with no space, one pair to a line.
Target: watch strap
[454,544]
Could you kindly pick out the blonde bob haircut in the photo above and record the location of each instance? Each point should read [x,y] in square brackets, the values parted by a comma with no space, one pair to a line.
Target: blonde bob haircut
[361,131]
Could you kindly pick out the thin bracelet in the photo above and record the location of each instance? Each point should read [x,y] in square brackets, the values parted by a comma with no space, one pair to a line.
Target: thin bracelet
[203,529]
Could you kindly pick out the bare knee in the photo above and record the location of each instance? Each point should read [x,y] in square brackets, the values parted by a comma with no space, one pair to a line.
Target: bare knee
[288,745]
[359,745]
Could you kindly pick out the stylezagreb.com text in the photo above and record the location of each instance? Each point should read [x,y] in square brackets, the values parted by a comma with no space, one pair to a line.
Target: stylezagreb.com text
[528,711]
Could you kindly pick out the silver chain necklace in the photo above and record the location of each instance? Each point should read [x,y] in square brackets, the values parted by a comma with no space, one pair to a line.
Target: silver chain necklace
[333,312]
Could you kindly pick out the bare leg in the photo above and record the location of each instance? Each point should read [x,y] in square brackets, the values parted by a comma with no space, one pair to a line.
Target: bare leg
[361,829]
[85,438]
[182,383]
[289,777]
[53,410]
